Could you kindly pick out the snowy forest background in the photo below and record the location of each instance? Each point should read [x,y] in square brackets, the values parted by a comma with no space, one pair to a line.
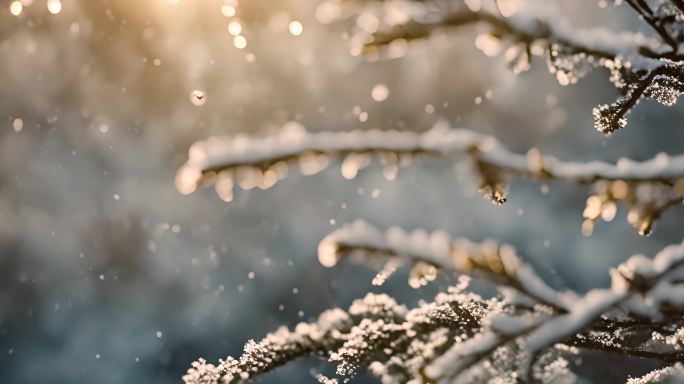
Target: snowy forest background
[109,275]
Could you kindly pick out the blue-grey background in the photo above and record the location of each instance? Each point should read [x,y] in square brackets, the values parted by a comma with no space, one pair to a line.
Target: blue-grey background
[109,275]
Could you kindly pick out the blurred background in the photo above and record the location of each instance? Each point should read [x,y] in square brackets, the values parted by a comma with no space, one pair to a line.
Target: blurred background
[109,275]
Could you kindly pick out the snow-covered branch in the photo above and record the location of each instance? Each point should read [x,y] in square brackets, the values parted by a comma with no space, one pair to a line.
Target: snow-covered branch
[525,333]
[657,19]
[528,24]
[358,337]
[463,337]
[668,375]
[430,253]
[639,66]
[642,288]
[647,188]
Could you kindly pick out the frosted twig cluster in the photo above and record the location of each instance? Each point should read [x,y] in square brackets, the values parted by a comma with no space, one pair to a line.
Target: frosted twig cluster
[463,337]
[639,66]
[527,332]
[647,188]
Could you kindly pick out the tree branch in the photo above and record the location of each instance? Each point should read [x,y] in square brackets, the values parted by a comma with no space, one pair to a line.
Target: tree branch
[633,60]
[644,10]
[489,261]
[451,337]
[261,162]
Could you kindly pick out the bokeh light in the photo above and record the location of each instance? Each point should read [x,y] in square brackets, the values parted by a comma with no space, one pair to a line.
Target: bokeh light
[16,7]
[296,28]
[54,6]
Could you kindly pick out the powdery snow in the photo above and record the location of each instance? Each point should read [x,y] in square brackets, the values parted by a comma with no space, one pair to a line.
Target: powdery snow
[226,153]
[441,250]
